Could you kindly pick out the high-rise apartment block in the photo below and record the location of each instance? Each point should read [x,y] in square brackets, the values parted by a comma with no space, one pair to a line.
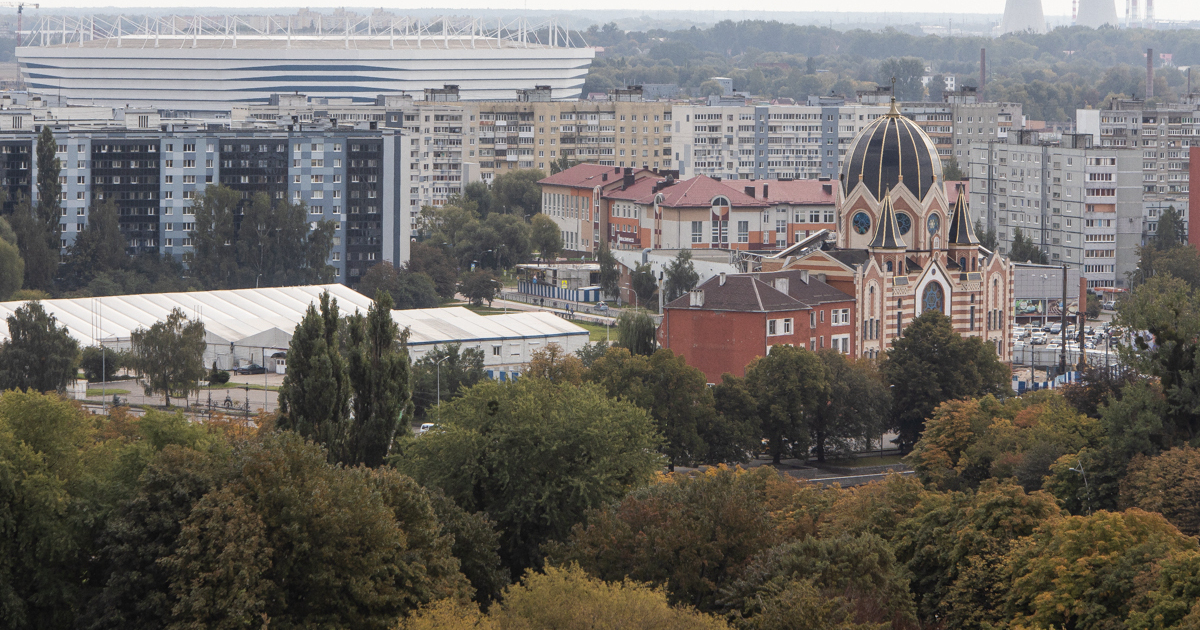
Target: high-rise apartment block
[1162,135]
[1081,204]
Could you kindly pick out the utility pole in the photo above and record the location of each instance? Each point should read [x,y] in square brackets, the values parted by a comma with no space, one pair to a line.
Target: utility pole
[1062,363]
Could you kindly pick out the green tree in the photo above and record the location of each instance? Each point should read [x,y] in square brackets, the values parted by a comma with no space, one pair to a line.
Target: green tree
[610,276]
[786,386]
[100,248]
[675,393]
[49,186]
[1171,231]
[304,543]
[12,266]
[1166,484]
[951,171]
[987,236]
[476,546]
[553,364]
[446,371]
[213,252]
[314,399]
[518,191]
[39,354]
[379,380]
[931,364]
[479,197]
[405,288]
[854,411]
[37,245]
[545,237]
[535,456]
[561,164]
[432,261]
[169,356]
[905,74]
[692,535]
[101,364]
[636,333]
[479,285]
[644,285]
[1023,249]
[681,275]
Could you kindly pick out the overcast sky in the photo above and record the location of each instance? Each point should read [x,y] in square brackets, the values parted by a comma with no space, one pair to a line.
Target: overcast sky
[1164,9]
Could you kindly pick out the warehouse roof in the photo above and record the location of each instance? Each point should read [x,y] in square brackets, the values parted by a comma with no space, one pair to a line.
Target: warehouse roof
[268,317]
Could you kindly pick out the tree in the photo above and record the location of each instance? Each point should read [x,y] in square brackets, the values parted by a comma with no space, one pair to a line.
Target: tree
[379,381]
[951,171]
[905,74]
[479,285]
[479,197]
[1023,249]
[100,248]
[676,395]
[446,370]
[39,354]
[406,289]
[518,191]
[931,364]
[314,399]
[567,598]
[12,266]
[644,284]
[610,276]
[169,356]
[636,333]
[987,236]
[1166,484]
[711,88]
[432,261]
[476,546]
[561,164]
[34,246]
[552,364]
[854,411]
[101,364]
[545,237]
[681,275]
[786,386]
[1171,231]
[49,186]
[692,535]
[535,456]
[302,543]
[213,253]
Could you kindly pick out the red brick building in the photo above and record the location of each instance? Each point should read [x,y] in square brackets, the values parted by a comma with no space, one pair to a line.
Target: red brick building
[728,321]
[574,200]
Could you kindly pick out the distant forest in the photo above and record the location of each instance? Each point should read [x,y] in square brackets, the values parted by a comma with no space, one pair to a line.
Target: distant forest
[1051,74]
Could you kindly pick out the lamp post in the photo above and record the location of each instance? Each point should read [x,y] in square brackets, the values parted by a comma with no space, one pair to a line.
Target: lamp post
[439,385]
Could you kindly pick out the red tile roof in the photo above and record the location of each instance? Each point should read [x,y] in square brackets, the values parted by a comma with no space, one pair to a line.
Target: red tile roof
[588,176]
[699,191]
[757,292]
[952,191]
[642,191]
[796,191]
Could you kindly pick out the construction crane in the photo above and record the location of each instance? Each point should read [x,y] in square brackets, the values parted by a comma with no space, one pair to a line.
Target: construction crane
[20,10]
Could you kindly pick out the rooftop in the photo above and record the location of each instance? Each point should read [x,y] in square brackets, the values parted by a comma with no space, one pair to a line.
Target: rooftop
[763,292]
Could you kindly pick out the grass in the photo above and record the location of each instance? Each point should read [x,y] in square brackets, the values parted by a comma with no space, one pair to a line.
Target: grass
[861,462]
[108,391]
[597,331]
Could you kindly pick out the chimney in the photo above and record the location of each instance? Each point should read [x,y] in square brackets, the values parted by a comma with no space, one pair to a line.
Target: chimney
[627,181]
[696,297]
[604,177]
[1149,73]
[750,191]
[827,189]
[765,191]
[982,71]
[804,276]
[721,281]
[781,285]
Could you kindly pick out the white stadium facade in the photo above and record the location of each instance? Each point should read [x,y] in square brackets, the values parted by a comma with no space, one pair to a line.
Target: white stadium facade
[205,64]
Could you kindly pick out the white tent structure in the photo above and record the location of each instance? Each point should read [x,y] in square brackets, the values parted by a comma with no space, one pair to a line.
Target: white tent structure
[249,325]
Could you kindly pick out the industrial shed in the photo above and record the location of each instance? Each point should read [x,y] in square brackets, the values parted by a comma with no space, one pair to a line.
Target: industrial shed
[244,325]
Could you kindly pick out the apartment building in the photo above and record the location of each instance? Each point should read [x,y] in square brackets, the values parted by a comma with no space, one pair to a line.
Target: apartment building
[576,200]
[768,142]
[351,177]
[1080,203]
[1163,134]
[955,121]
[535,132]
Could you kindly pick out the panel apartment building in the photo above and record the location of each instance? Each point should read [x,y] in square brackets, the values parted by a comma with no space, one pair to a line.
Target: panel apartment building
[351,177]
[1080,203]
[1163,134]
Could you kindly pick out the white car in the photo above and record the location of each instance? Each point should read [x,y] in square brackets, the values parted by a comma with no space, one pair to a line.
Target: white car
[425,428]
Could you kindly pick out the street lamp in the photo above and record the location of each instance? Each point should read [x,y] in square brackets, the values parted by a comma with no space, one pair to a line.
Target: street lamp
[439,385]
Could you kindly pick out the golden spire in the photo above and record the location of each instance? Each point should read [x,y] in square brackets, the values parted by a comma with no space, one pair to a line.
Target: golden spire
[894,111]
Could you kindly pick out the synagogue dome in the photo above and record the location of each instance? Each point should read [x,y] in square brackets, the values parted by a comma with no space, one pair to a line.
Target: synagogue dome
[892,150]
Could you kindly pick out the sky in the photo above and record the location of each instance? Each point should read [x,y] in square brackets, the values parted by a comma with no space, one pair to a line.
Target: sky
[1164,9]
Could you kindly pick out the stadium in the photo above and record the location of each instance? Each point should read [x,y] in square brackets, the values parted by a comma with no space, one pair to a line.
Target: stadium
[208,64]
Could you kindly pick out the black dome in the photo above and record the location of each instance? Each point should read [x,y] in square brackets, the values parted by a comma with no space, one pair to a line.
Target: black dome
[891,147]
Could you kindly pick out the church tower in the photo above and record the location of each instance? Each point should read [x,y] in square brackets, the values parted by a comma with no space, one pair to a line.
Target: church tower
[962,247]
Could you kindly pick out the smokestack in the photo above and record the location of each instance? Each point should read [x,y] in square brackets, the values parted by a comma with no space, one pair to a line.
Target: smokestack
[1133,14]
[1149,67]
[1149,13]
[982,72]
[1074,11]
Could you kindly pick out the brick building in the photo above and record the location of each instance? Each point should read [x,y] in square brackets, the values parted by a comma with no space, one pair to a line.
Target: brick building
[731,319]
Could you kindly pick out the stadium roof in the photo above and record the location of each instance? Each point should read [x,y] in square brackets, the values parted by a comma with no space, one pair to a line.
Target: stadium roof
[269,316]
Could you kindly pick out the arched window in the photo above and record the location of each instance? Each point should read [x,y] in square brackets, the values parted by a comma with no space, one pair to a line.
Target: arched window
[962,263]
[889,266]
[933,298]
[720,200]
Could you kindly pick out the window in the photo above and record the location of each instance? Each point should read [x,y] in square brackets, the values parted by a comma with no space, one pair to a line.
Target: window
[840,316]
[697,231]
[743,228]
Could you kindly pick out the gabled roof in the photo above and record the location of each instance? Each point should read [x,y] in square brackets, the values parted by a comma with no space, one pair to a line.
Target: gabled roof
[796,191]
[642,191]
[952,189]
[699,191]
[589,176]
[757,293]
[961,232]
[887,233]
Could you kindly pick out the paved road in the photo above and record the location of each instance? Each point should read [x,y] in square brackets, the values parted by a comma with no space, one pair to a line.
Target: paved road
[258,398]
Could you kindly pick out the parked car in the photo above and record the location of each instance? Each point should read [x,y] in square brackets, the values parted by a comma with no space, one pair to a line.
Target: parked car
[602,307]
[426,428]
[1055,328]
[1039,339]
[253,368]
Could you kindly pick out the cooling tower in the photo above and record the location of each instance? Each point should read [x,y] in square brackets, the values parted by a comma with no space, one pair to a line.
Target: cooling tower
[1023,15]
[1097,13]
